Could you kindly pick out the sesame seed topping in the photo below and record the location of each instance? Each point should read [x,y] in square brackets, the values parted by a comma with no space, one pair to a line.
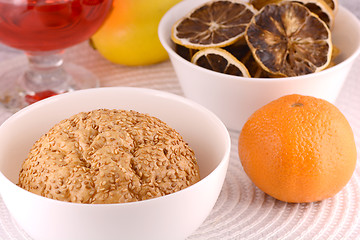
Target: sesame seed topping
[109,156]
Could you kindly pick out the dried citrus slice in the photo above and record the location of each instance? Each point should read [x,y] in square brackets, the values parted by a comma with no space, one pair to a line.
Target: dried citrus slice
[333,4]
[259,4]
[213,24]
[219,60]
[320,8]
[335,53]
[185,52]
[287,39]
[243,53]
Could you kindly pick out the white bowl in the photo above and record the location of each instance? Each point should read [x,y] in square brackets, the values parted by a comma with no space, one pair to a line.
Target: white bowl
[174,216]
[233,98]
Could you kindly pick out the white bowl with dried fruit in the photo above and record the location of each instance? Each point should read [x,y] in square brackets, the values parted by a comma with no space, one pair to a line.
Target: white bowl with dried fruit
[284,48]
[75,181]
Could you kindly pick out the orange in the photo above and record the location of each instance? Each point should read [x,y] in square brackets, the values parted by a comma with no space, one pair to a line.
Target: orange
[298,149]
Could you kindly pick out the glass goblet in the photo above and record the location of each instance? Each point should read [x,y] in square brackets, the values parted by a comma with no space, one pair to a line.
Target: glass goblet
[43,29]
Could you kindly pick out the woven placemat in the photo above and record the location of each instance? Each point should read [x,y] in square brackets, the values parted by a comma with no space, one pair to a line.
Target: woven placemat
[242,210]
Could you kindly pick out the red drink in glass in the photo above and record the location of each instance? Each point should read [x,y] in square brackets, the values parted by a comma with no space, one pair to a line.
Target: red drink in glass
[43,29]
[44,25]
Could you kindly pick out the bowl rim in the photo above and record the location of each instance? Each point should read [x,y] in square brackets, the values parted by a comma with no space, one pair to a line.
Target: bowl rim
[158,93]
[162,37]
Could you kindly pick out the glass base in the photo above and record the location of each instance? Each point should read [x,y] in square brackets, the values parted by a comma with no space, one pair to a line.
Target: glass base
[15,94]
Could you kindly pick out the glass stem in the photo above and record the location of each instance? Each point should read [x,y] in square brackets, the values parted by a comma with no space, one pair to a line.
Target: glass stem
[45,72]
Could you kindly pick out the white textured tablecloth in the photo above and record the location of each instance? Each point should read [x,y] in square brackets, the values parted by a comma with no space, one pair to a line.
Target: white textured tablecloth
[242,211]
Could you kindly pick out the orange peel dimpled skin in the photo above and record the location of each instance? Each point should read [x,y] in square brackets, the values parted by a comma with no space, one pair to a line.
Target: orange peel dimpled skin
[298,149]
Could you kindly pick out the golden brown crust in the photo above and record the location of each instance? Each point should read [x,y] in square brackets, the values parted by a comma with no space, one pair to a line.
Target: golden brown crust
[109,156]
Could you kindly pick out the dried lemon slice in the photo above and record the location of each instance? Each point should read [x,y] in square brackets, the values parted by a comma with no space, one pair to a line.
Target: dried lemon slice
[287,39]
[185,52]
[214,24]
[320,8]
[259,4]
[220,60]
[243,53]
[335,53]
[333,4]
